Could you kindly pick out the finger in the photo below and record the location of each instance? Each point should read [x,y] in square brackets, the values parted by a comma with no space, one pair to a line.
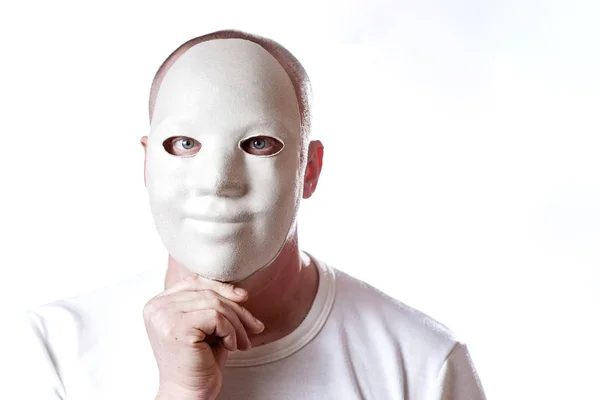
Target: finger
[193,301]
[209,322]
[194,282]
[190,302]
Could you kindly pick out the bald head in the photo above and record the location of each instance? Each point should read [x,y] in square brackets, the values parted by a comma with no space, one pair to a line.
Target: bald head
[288,62]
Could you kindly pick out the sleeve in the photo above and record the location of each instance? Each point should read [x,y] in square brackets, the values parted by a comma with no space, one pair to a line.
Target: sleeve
[30,363]
[457,378]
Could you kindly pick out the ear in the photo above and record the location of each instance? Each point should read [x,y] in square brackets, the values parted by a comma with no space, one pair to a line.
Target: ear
[314,164]
[144,142]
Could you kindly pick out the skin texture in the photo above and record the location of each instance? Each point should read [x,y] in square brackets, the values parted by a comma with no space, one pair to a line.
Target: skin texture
[193,313]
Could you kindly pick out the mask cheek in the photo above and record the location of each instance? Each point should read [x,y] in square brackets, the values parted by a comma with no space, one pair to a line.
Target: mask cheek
[165,188]
[271,181]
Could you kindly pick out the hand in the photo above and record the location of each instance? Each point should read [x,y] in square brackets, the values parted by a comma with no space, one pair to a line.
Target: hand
[192,326]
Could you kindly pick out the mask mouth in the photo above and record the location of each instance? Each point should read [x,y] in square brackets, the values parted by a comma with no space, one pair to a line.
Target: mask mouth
[229,218]
[217,212]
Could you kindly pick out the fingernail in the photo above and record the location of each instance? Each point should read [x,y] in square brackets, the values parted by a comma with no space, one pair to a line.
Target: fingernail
[259,322]
[240,291]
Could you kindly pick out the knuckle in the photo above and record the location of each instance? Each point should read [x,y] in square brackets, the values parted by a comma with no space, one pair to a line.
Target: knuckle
[213,302]
[149,309]
[220,319]
[158,320]
[163,326]
[242,310]
[190,340]
[191,277]
[168,331]
[214,314]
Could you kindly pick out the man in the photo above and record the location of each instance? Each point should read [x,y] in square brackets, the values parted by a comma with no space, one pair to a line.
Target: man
[241,312]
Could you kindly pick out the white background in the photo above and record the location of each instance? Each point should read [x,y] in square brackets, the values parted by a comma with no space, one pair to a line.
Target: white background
[461,169]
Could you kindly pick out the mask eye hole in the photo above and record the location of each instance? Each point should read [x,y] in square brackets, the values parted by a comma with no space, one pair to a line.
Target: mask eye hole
[181,146]
[261,146]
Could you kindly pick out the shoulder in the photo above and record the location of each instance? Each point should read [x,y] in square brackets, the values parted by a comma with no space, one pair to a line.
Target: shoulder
[126,293]
[61,341]
[85,318]
[405,329]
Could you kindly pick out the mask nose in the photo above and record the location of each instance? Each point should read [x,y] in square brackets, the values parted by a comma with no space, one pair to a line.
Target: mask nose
[220,172]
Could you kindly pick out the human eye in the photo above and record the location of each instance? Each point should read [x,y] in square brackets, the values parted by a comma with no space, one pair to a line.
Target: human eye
[181,146]
[261,146]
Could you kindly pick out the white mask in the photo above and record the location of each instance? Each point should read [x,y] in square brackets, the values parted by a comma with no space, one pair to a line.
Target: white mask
[222,212]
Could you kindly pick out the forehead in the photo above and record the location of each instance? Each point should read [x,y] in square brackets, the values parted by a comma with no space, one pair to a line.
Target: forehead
[224,84]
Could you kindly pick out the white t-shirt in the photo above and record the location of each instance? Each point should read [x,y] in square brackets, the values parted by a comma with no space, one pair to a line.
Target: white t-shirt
[355,343]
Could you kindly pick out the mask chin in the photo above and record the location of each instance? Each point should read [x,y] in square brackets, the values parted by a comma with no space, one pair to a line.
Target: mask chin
[251,272]
[235,259]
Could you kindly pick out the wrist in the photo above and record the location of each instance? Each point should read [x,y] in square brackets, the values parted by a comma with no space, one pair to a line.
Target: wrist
[176,392]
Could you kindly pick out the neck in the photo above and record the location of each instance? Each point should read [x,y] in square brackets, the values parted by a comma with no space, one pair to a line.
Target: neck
[280,295]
